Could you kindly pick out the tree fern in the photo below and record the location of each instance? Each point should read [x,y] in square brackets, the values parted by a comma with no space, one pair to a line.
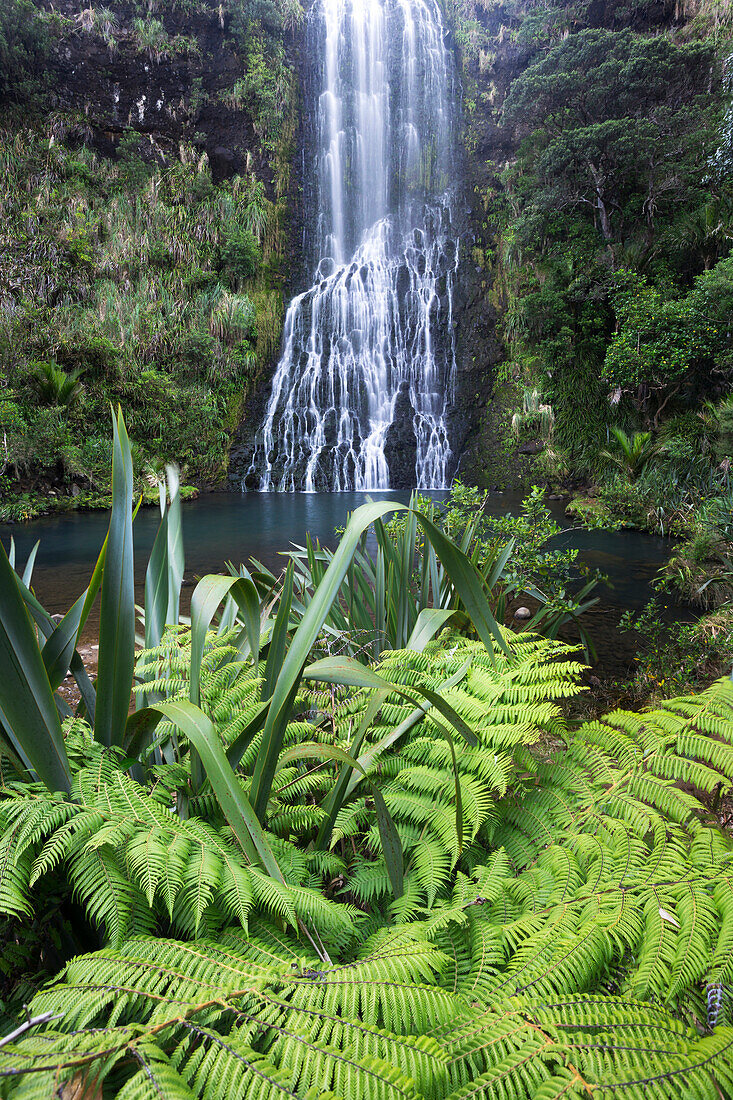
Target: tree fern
[243,1018]
[566,925]
[132,862]
[256,1018]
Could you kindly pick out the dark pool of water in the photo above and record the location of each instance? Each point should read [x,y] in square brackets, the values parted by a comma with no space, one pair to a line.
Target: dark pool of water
[221,526]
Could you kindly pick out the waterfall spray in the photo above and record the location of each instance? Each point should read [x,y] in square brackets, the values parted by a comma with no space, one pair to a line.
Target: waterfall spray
[360,395]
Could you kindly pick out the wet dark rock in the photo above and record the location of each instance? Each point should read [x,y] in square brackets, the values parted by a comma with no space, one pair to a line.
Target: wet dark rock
[400,445]
[222,161]
[330,428]
[403,282]
[181,97]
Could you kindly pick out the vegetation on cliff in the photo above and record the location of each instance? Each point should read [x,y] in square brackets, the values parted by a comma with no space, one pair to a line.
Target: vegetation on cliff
[598,140]
[131,268]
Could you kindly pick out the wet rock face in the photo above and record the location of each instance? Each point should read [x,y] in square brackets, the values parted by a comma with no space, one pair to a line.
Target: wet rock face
[479,350]
[400,446]
[488,148]
[165,100]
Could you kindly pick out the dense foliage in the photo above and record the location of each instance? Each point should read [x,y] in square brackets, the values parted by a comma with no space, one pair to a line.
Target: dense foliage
[606,237]
[290,873]
[621,128]
[23,43]
[604,212]
[138,277]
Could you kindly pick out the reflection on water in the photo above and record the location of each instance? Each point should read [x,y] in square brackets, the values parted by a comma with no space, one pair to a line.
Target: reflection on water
[227,527]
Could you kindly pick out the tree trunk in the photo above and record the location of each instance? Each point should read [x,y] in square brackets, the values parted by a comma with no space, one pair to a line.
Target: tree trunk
[603,214]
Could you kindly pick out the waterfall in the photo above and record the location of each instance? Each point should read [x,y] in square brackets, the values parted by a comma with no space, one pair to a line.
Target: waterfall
[360,395]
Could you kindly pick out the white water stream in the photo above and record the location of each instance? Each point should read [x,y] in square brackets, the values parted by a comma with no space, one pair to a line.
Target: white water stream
[360,395]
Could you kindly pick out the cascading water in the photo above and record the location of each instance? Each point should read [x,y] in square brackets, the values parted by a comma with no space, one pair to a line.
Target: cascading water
[360,394]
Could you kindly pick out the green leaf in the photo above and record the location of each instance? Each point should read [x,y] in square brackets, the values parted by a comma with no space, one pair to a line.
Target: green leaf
[380,607]
[243,739]
[156,583]
[28,711]
[45,624]
[58,652]
[139,730]
[176,556]
[391,844]
[236,807]
[499,564]
[337,795]
[28,571]
[373,751]
[429,622]
[117,610]
[207,596]
[300,647]
[164,574]
[457,782]
[468,584]
[345,670]
[279,637]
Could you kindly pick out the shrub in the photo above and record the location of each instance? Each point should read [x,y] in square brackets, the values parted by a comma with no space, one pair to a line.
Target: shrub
[465,891]
[54,386]
[161,257]
[23,47]
[197,350]
[630,453]
[680,657]
[45,436]
[91,354]
[134,171]
[241,255]
[233,319]
[101,21]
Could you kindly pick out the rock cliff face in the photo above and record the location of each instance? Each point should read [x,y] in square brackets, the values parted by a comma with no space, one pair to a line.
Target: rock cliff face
[479,416]
[178,94]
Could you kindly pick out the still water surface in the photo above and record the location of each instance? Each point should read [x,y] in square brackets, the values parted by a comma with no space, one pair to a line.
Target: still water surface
[223,527]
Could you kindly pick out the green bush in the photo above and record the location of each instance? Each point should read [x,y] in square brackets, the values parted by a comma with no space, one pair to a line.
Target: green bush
[117,284]
[197,351]
[23,48]
[95,356]
[161,257]
[134,171]
[464,891]
[54,386]
[241,255]
[675,657]
[45,437]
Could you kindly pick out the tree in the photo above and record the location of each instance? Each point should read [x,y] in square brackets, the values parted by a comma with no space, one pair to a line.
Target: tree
[23,45]
[617,127]
[241,255]
[598,75]
[661,339]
